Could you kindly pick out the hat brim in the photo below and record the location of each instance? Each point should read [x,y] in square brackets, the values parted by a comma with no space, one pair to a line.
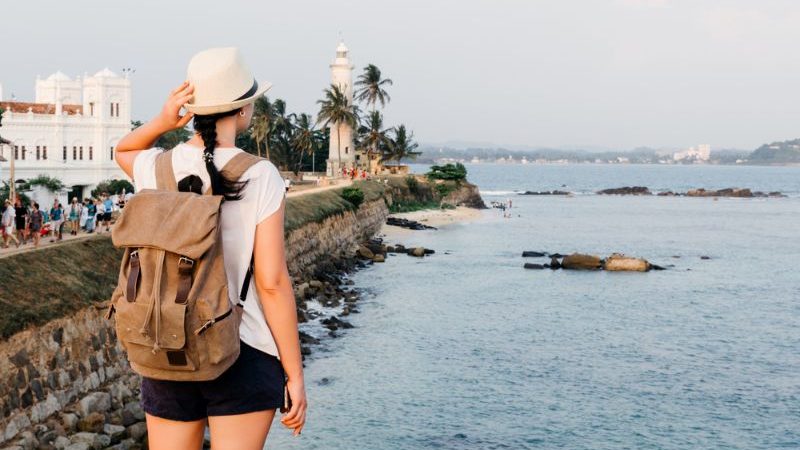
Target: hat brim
[202,110]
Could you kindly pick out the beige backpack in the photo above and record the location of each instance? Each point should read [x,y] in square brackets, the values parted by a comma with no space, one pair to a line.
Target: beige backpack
[173,315]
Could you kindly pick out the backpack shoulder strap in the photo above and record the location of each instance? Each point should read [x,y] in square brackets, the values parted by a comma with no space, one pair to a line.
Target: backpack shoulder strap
[239,164]
[234,170]
[165,176]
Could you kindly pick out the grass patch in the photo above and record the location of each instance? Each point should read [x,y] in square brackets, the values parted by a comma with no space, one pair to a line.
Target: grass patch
[42,285]
[321,205]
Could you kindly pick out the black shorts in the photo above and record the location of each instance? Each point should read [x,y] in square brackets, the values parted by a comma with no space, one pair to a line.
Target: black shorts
[255,382]
[106,217]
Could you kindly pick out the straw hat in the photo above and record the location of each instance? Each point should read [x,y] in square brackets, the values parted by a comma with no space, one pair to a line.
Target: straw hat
[221,82]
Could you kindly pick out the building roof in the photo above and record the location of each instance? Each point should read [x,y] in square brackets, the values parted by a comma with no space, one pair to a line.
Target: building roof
[59,76]
[106,73]
[39,108]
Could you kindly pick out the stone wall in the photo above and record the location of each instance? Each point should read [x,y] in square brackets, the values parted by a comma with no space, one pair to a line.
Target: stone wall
[70,376]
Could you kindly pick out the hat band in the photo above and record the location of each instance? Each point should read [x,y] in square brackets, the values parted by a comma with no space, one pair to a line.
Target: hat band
[250,92]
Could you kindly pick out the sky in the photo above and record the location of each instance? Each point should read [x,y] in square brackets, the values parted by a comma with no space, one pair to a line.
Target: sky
[595,74]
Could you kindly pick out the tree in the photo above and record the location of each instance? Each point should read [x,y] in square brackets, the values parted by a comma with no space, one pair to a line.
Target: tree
[401,146]
[172,138]
[372,134]
[262,124]
[337,109]
[112,187]
[371,87]
[305,139]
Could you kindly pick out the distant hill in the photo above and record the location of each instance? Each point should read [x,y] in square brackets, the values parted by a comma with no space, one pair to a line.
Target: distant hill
[777,153]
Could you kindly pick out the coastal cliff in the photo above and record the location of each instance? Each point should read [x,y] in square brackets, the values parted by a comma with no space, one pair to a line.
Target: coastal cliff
[65,377]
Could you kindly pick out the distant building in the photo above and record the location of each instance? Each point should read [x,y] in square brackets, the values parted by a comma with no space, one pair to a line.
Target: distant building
[341,76]
[700,153]
[70,130]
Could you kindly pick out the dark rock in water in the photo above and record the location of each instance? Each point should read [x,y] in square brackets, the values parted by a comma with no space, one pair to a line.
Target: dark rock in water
[533,254]
[334,323]
[417,251]
[578,261]
[627,190]
[667,194]
[554,263]
[556,192]
[429,251]
[705,257]
[308,339]
[410,224]
[533,266]
[657,267]
[556,255]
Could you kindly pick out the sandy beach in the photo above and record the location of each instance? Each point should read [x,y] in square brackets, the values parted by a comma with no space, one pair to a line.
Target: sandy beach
[432,217]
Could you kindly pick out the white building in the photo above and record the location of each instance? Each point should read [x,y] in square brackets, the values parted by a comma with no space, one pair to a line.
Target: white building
[70,130]
[700,153]
[341,76]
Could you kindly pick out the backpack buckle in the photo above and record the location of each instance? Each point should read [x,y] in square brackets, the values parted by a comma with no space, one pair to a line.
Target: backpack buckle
[185,260]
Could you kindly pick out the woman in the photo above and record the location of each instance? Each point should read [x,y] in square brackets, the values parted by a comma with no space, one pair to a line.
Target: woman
[239,406]
[57,217]
[21,220]
[8,224]
[91,212]
[74,215]
[37,219]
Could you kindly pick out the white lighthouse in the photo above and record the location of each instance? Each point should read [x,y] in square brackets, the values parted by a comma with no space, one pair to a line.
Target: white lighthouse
[341,76]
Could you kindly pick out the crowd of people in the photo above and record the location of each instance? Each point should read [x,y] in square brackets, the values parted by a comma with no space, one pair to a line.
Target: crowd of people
[354,173]
[23,223]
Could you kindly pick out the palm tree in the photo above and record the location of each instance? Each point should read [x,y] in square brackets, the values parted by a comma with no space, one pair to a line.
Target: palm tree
[402,145]
[372,136]
[305,138]
[281,132]
[338,110]
[370,87]
[262,123]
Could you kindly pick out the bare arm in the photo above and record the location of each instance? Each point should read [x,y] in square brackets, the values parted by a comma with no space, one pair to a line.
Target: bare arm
[146,135]
[275,292]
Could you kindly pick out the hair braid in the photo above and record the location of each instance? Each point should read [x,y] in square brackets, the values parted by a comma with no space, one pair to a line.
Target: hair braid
[206,126]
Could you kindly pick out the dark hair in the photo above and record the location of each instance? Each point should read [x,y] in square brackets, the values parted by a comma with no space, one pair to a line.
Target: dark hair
[206,126]
[35,205]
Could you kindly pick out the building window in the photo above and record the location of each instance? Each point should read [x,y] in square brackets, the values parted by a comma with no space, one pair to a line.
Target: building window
[74,153]
[44,152]
[91,109]
[91,153]
[16,152]
[37,152]
[112,152]
[23,152]
[65,153]
[112,110]
[81,152]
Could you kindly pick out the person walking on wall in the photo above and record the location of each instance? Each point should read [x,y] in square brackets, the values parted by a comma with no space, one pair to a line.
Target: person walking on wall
[8,224]
[57,217]
[75,210]
[108,208]
[37,219]
[21,220]
[239,405]
[91,212]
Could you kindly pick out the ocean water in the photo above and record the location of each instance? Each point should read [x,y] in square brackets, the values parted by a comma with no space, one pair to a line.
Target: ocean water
[467,350]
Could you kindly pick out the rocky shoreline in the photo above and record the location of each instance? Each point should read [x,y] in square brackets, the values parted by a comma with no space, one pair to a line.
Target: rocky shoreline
[727,192]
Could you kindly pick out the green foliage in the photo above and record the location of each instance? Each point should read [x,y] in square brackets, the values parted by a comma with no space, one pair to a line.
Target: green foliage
[415,205]
[317,207]
[777,153]
[412,184]
[448,171]
[444,189]
[353,195]
[51,183]
[172,138]
[112,187]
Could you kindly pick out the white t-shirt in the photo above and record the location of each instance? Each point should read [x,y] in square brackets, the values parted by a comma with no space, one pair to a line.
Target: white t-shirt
[260,199]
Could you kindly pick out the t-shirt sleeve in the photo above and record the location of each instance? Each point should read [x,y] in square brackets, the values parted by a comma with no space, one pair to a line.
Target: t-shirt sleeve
[272,190]
[143,169]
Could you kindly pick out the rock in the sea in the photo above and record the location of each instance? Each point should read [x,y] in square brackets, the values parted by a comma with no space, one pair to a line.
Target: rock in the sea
[627,190]
[378,258]
[533,254]
[556,192]
[621,263]
[534,266]
[364,252]
[554,263]
[579,261]
[417,251]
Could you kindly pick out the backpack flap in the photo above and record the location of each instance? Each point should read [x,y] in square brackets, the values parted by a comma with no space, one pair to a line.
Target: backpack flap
[178,222]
